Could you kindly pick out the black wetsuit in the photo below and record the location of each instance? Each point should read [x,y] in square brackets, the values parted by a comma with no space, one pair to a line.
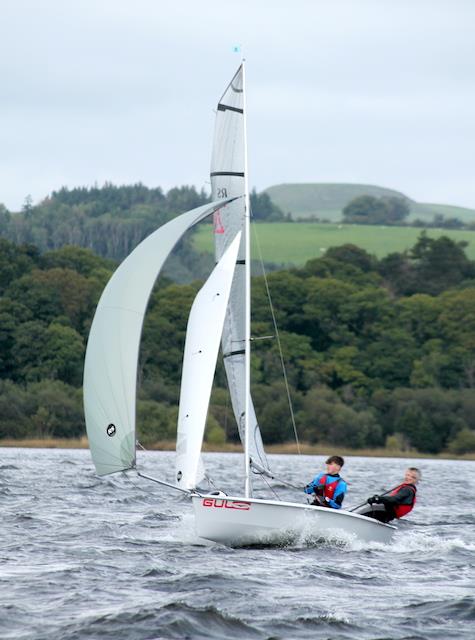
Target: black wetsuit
[404,497]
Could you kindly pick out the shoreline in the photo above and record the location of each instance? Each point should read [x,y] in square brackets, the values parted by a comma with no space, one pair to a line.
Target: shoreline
[285,448]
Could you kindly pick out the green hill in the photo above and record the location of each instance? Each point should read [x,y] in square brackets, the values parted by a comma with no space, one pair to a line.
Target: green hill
[426,212]
[326,201]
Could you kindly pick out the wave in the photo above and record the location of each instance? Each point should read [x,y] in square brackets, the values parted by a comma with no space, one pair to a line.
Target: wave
[161,517]
[9,467]
[429,542]
[461,609]
[415,541]
[173,620]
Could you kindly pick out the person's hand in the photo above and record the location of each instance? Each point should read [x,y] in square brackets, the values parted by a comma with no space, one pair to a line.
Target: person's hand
[373,499]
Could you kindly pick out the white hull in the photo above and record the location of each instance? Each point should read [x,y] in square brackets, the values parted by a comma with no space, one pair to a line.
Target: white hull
[240,522]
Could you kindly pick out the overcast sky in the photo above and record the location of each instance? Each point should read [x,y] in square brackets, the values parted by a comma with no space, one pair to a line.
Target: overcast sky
[366,91]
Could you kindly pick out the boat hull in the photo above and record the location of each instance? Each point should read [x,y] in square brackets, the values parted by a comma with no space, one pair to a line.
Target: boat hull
[236,521]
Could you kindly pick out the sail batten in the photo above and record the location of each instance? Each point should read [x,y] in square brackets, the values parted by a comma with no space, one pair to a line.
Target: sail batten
[110,368]
[239,174]
[224,107]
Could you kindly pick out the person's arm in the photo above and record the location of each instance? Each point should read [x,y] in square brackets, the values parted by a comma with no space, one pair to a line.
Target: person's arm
[338,497]
[310,488]
[405,495]
[336,503]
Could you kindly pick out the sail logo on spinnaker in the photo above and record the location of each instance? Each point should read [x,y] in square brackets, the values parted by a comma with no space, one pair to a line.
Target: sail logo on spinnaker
[111,430]
[219,503]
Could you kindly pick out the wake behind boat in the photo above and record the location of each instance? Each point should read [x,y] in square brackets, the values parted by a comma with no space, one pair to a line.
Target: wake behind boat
[222,309]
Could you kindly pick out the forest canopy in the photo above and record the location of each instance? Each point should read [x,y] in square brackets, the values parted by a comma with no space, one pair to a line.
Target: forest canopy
[378,352]
[111,220]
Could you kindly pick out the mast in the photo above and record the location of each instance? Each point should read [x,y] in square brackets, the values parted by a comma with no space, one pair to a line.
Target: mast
[247,311]
[228,176]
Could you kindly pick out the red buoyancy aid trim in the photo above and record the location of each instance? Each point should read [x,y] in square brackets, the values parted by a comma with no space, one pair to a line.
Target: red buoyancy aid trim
[330,488]
[401,510]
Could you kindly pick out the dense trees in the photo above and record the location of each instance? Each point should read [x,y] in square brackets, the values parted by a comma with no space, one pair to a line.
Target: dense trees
[263,208]
[377,352]
[110,220]
[371,210]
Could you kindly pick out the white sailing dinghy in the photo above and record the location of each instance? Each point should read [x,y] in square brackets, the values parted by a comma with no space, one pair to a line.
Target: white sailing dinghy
[221,307]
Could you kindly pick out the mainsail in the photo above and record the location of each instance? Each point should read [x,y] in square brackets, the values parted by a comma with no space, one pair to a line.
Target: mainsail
[110,368]
[228,164]
[203,334]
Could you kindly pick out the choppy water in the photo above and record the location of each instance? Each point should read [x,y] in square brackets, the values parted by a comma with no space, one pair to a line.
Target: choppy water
[85,558]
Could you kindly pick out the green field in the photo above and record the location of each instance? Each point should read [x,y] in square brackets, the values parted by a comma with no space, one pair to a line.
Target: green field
[326,201]
[295,243]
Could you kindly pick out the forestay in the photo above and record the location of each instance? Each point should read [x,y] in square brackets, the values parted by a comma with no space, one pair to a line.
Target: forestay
[110,368]
[227,180]
[203,334]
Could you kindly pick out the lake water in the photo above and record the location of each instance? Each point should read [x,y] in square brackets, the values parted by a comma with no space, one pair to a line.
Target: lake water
[117,557]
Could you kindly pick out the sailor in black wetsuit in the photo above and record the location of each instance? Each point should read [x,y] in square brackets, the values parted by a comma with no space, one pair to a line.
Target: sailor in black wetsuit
[398,503]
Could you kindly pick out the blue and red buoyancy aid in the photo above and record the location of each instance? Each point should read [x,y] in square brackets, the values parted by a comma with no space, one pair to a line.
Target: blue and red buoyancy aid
[401,510]
[330,487]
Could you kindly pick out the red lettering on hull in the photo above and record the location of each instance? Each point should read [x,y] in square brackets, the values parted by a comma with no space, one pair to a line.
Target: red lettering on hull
[222,503]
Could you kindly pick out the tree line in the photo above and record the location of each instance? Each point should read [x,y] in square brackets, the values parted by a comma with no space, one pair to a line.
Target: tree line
[111,220]
[378,352]
[393,211]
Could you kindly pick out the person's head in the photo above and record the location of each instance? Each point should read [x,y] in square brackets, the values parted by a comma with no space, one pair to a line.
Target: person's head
[334,464]
[412,475]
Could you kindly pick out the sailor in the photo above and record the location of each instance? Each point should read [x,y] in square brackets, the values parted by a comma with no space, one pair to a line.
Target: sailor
[328,488]
[398,503]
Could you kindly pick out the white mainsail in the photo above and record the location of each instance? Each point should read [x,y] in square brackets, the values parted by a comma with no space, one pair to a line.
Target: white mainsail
[203,334]
[110,368]
[228,165]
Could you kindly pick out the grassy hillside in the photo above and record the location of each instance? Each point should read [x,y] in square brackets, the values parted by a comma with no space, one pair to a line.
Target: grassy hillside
[426,212]
[292,243]
[327,201]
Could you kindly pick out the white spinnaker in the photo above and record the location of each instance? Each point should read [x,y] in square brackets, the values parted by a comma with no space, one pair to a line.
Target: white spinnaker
[203,334]
[227,180]
[110,367]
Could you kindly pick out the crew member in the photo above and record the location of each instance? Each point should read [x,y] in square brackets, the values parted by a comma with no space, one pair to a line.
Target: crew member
[328,488]
[398,503]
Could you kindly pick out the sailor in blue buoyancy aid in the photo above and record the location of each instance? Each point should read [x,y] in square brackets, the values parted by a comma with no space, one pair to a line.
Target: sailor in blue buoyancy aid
[328,488]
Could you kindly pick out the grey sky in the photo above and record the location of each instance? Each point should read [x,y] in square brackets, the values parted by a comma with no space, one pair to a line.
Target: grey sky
[371,91]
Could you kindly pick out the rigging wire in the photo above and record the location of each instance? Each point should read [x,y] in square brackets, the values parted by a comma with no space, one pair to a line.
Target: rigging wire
[279,344]
[269,486]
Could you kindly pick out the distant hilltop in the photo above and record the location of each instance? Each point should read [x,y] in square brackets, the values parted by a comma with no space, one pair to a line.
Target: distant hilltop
[326,201]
